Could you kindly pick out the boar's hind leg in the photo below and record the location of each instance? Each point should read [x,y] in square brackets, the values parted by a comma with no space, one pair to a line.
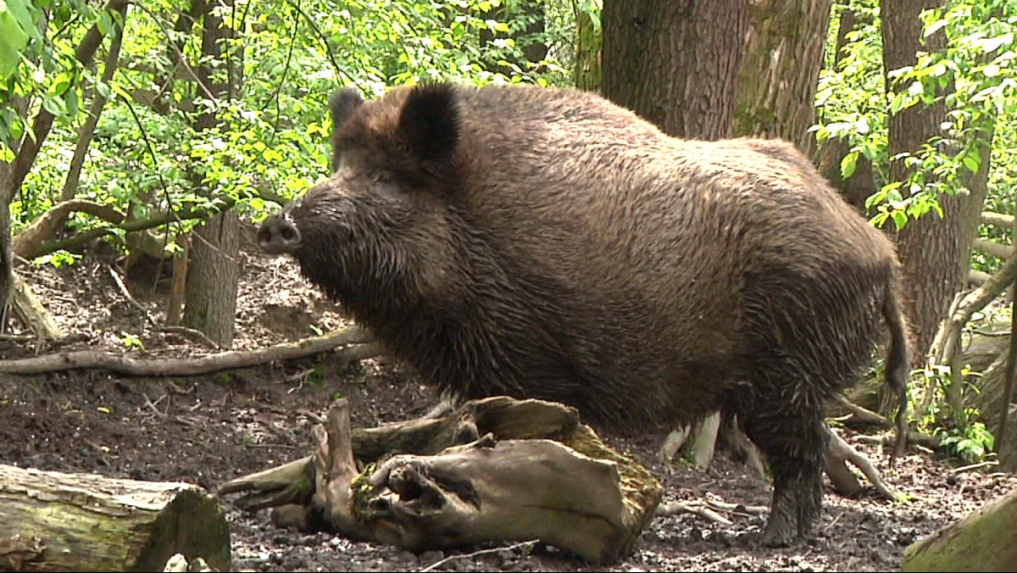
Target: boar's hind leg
[791,437]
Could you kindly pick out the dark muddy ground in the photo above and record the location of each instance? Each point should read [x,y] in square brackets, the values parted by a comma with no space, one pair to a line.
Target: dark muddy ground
[210,429]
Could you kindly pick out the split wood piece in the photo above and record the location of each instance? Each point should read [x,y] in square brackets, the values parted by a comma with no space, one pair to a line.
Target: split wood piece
[984,540]
[508,470]
[83,522]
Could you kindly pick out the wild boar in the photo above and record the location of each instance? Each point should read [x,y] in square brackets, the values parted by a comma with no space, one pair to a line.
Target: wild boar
[546,243]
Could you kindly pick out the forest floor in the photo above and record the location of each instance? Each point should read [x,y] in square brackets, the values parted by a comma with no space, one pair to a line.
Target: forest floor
[210,429]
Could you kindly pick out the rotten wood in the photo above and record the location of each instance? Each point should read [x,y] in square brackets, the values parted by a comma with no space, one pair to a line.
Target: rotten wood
[31,312]
[81,522]
[984,540]
[125,365]
[497,477]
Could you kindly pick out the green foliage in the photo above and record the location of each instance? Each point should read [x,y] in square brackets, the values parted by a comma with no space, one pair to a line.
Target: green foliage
[960,431]
[281,60]
[132,341]
[977,66]
[971,442]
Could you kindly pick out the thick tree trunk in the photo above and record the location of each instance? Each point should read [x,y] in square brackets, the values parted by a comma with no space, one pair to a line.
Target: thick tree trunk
[985,540]
[780,70]
[676,62]
[930,247]
[67,522]
[213,278]
[215,269]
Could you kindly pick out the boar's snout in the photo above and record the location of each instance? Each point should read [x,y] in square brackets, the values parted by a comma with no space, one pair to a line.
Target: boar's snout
[278,234]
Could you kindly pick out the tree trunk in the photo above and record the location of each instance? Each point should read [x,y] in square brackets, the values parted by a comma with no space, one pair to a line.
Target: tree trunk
[213,278]
[930,247]
[780,71]
[676,62]
[214,273]
[984,540]
[78,522]
[588,70]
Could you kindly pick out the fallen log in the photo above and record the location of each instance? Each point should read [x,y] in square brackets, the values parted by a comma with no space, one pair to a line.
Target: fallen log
[82,522]
[984,540]
[507,470]
[359,349]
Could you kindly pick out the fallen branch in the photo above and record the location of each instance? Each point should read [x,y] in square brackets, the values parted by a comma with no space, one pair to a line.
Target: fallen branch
[476,554]
[46,224]
[87,359]
[992,248]
[710,509]
[867,416]
[997,220]
[127,227]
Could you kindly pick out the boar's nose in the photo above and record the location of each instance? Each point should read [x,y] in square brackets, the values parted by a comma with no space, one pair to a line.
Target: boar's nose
[277,235]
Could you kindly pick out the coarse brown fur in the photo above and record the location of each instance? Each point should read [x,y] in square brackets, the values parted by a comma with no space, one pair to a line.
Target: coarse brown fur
[545,243]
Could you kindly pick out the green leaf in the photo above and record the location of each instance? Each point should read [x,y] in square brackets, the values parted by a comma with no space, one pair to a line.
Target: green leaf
[12,41]
[848,165]
[972,160]
[899,219]
[55,106]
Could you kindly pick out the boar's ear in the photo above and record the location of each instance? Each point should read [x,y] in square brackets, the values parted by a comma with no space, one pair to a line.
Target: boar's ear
[429,126]
[342,104]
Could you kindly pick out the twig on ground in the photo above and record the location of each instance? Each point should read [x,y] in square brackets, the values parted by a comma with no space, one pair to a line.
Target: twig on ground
[441,562]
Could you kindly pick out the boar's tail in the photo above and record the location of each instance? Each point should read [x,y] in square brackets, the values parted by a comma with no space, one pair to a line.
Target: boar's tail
[897,366]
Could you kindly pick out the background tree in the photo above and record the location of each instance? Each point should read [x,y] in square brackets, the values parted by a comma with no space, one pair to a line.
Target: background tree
[675,62]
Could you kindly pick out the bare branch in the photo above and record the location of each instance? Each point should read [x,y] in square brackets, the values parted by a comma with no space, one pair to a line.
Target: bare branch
[185,366]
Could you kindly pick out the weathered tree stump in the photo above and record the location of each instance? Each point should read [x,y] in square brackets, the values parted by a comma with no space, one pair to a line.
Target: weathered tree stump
[497,469]
[75,522]
[984,540]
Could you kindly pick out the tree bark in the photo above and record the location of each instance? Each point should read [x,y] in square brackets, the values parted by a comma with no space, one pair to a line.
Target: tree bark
[588,66]
[676,62]
[214,276]
[215,268]
[984,540]
[75,522]
[930,248]
[780,70]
